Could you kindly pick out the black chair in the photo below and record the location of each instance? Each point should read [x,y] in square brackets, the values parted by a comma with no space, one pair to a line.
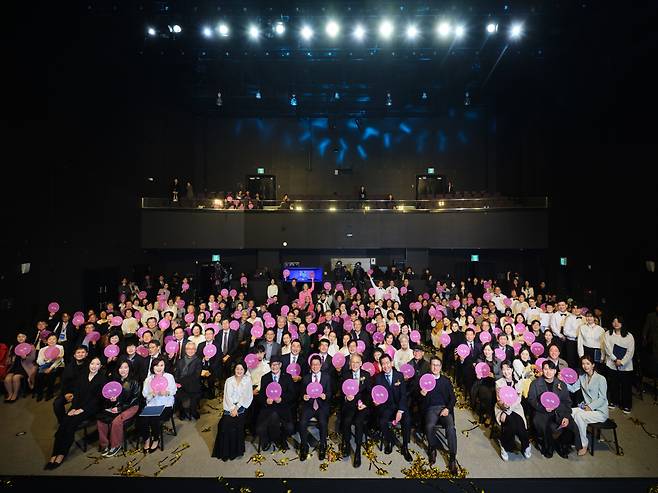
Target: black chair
[174,432]
[84,426]
[126,426]
[594,432]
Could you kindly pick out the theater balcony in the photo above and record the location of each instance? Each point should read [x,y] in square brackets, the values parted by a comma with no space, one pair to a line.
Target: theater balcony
[464,221]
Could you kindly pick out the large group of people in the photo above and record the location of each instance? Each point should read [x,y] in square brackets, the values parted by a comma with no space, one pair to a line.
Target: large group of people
[379,354]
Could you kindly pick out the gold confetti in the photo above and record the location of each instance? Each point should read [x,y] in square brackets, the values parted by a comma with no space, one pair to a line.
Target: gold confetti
[244,489]
[421,469]
[259,473]
[257,459]
[324,466]
[369,450]
[206,429]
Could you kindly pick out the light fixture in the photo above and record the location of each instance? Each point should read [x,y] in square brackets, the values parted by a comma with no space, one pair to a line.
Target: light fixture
[253,32]
[386,29]
[306,32]
[285,243]
[258,95]
[151,31]
[359,32]
[332,29]
[279,28]
[424,95]
[467,99]
[460,31]
[444,29]
[219,101]
[336,95]
[293,100]
[332,209]
[492,28]
[223,30]
[177,29]
[516,31]
[389,100]
[412,32]
[207,32]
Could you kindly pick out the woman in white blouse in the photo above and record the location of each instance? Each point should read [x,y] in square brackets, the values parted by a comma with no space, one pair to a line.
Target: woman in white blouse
[149,426]
[196,337]
[404,354]
[272,289]
[238,396]
[149,312]
[511,417]
[590,339]
[286,341]
[619,350]
[333,344]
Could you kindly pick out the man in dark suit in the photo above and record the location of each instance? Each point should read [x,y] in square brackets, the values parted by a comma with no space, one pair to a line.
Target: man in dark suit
[439,406]
[318,408]
[355,409]
[395,409]
[227,342]
[66,336]
[187,373]
[420,366]
[295,356]
[326,365]
[358,334]
[211,368]
[555,427]
[275,418]
[465,367]
[502,342]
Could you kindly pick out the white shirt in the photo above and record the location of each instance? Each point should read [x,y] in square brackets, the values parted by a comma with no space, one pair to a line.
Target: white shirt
[557,323]
[545,320]
[532,314]
[129,325]
[256,374]
[625,342]
[379,292]
[238,395]
[590,336]
[519,307]
[159,400]
[394,293]
[498,301]
[401,357]
[272,290]
[571,326]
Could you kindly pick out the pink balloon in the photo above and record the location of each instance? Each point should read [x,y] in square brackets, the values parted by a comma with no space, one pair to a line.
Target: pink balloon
[414,335]
[537,349]
[112,390]
[111,351]
[294,370]
[285,309]
[234,325]
[379,394]
[232,293]
[539,363]
[243,280]
[169,338]
[314,390]
[485,336]
[94,336]
[224,293]
[180,303]
[529,337]
[454,304]
[327,286]
[550,400]
[360,347]
[426,296]
[508,395]
[78,321]
[159,383]
[257,330]
[237,314]
[286,273]
[339,287]
[444,339]
[185,286]
[171,347]
[482,370]
[141,295]
[487,297]
[463,350]
[394,328]
[403,290]
[387,296]
[164,324]
[52,352]
[519,328]
[507,302]
[137,315]
[273,390]
[390,350]
[407,370]
[350,387]
[142,351]
[352,291]
[369,367]
[311,329]
[495,331]
[251,360]
[499,352]
[370,327]
[569,375]
[44,334]
[372,291]
[189,318]
[427,382]
[53,307]
[348,325]
[378,337]
[23,349]
[141,330]
[432,311]
[116,321]
[338,360]
[269,323]
[209,350]
[517,348]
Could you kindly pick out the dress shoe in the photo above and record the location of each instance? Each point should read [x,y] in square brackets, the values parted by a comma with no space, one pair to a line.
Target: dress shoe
[406,454]
[322,452]
[195,415]
[452,467]
[303,453]
[283,446]
[357,457]
[39,398]
[55,465]
[266,446]
[547,452]
[345,448]
[432,456]
[563,452]
[48,466]
[388,448]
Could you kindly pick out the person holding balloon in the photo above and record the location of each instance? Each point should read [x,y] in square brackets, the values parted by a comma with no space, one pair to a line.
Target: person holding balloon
[275,422]
[317,392]
[84,406]
[438,404]
[211,366]
[509,413]
[50,362]
[553,420]
[187,373]
[487,371]
[594,389]
[21,367]
[159,389]
[121,403]
[356,387]
[238,397]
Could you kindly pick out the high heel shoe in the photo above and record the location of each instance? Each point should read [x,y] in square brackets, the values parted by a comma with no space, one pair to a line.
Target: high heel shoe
[154,446]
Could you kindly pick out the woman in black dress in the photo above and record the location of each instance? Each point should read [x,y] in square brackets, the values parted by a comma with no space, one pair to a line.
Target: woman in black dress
[238,396]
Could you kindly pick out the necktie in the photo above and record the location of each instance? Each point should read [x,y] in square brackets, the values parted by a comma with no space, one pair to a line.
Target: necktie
[355,376]
[315,377]
[388,378]
[224,338]
[293,359]
[275,377]
[180,349]
[323,359]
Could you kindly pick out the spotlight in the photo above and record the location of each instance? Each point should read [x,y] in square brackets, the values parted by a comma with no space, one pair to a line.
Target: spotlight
[177,29]
[218,101]
[293,100]
[516,31]
[151,31]
[279,28]
[444,29]
[412,32]
[207,32]
[386,29]
[424,95]
[359,32]
[258,95]
[459,32]
[389,100]
[307,33]
[332,29]
[222,29]
[492,28]
[253,32]
[285,243]
[336,95]
[467,99]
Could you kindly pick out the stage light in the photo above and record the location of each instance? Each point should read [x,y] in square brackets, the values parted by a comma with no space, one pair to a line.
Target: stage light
[336,95]
[332,29]
[285,243]
[459,32]
[207,32]
[389,100]
[306,32]
[444,29]
[467,99]
[516,31]
[253,32]
[219,101]
[279,28]
[151,31]
[386,29]
[359,32]
[222,29]
[177,29]
[332,209]
[258,95]
[492,28]
[412,32]
[293,100]
[424,95]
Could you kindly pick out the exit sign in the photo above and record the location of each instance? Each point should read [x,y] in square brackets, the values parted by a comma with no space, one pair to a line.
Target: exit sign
[563,261]
[215,258]
[475,258]
[430,171]
[260,171]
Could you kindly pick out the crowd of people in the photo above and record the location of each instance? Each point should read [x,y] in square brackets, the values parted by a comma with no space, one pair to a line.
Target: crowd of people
[383,357]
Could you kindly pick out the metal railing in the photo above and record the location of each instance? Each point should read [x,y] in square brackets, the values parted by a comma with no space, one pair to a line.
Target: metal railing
[331,205]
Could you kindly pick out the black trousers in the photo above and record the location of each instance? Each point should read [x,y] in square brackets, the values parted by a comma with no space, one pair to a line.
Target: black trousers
[46,382]
[322,416]
[512,427]
[432,417]
[188,402]
[571,353]
[65,433]
[545,424]
[270,427]
[149,426]
[349,416]
[620,388]
[384,418]
[59,408]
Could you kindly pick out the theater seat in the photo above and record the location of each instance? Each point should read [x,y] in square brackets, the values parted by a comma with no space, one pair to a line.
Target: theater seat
[594,432]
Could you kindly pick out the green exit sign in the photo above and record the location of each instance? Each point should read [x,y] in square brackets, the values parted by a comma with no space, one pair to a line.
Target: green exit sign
[563,260]
[260,171]
[475,258]
[430,171]
[215,258]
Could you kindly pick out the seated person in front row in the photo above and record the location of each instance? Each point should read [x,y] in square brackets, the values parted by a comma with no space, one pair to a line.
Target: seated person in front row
[315,407]
[511,417]
[188,377]
[275,423]
[355,408]
[149,426]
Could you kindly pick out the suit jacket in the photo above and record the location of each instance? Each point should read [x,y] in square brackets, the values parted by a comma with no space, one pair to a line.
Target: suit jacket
[288,396]
[231,345]
[301,361]
[443,390]
[190,381]
[538,387]
[365,389]
[325,381]
[397,392]
[215,363]
[421,367]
